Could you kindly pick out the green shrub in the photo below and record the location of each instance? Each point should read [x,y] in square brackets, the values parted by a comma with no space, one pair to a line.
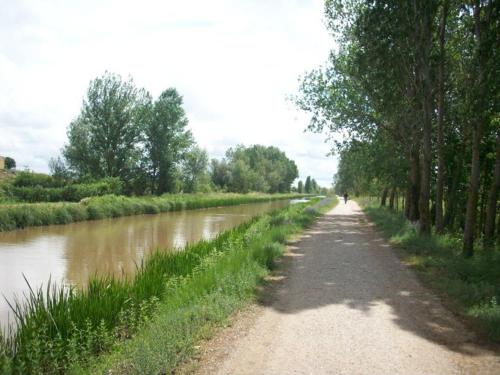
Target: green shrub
[32,188]
[29,179]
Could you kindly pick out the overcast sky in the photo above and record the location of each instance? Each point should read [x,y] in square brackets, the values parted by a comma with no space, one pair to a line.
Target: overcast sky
[234,62]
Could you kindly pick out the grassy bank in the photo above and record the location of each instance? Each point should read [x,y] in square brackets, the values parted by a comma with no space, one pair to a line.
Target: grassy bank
[14,216]
[149,324]
[470,285]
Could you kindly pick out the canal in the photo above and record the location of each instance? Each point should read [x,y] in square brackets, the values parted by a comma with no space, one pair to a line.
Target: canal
[70,254]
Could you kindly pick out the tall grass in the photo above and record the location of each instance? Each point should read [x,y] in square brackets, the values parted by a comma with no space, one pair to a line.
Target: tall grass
[14,216]
[471,284]
[164,308]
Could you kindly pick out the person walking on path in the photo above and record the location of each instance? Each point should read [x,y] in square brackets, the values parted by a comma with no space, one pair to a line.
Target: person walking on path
[345,197]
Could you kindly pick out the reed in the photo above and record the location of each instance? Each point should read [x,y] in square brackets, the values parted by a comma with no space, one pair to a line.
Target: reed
[15,216]
[60,330]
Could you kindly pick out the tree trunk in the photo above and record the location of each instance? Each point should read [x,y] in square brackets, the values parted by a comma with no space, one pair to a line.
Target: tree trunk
[397,200]
[451,198]
[473,192]
[483,197]
[383,200]
[440,156]
[406,207]
[477,131]
[406,203]
[391,198]
[413,213]
[425,176]
[491,210]
[498,231]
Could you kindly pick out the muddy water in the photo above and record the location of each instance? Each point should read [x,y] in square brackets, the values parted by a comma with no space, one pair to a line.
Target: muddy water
[71,253]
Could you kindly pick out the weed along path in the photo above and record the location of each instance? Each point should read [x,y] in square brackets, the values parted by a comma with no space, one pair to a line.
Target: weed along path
[345,304]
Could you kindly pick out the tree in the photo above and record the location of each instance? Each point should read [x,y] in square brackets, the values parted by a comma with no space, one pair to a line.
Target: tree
[58,169]
[491,213]
[241,177]
[314,186]
[166,139]
[103,140]
[10,163]
[78,153]
[300,187]
[220,173]
[308,186]
[379,88]
[484,37]
[440,108]
[260,168]
[195,171]
[424,14]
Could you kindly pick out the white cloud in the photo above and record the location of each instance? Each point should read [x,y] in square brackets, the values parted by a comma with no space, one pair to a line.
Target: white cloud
[233,61]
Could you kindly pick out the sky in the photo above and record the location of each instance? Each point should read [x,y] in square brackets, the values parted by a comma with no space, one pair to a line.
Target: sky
[235,62]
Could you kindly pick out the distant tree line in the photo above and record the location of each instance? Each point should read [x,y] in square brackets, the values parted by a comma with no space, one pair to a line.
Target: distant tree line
[415,86]
[255,168]
[123,132]
[310,186]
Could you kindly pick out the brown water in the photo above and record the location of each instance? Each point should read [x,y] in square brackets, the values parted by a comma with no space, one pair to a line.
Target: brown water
[69,254]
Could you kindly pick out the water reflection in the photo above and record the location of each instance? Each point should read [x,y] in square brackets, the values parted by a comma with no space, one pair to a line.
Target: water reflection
[72,253]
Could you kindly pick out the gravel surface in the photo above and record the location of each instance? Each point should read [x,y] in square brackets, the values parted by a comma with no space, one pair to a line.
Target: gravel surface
[345,304]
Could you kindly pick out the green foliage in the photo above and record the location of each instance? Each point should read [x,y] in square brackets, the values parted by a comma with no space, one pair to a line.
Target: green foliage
[314,186]
[164,308]
[121,132]
[311,186]
[367,167]
[29,179]
[256,168]
[194,171]
[10,163]
[417,106]
[300,187]
[166,141]
[38,187]
[14,216]
[307,186]
[103,140]
[220,173]
[472,283]
[59,170]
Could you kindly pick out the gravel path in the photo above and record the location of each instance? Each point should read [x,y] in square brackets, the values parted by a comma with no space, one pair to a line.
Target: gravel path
[345,304]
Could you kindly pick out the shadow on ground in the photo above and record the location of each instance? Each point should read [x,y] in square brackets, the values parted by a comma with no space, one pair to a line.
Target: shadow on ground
[341,260]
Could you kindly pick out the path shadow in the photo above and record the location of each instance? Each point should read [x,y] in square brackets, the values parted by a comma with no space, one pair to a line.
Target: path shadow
[342,260]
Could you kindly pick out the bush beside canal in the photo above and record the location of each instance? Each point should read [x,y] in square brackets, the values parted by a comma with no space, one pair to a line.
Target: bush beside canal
[150,323]
[14,216]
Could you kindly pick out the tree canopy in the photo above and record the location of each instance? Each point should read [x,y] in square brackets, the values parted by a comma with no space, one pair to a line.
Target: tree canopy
[123,132]
[254,168]
[413,87]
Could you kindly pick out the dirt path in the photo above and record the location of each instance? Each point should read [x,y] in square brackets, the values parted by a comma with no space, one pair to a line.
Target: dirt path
[345,304]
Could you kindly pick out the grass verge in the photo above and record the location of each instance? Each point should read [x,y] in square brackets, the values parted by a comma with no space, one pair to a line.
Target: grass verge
[470,285]
[14,216]
[149,324]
